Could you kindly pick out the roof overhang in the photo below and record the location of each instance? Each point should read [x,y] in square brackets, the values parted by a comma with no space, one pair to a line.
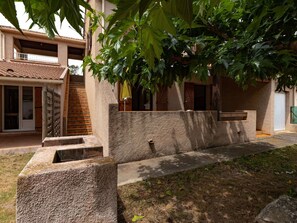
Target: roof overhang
[30,80]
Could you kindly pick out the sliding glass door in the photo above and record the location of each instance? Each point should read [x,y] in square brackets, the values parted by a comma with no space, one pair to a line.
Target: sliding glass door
[19,108]
[27,108]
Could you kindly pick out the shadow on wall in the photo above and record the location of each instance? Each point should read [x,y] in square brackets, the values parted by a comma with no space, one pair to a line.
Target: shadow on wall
[206,131]
[143,135]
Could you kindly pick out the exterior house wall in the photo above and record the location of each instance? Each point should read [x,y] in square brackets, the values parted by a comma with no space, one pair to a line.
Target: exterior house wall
[176,94]
[172,132]
[62,43]
[63,54]
[176,97]
[2,46]
[8,47]
[100,94]
[259,98]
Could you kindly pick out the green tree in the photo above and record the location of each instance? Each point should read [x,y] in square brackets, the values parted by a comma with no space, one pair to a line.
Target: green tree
[158,42]
[73,69]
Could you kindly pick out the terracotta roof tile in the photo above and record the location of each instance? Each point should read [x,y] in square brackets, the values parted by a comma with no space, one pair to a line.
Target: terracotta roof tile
[30,70]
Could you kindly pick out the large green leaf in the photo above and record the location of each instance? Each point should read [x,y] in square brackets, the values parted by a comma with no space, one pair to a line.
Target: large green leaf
[161,21]
[143,6]
[125,9]
[182,9]
[7,9]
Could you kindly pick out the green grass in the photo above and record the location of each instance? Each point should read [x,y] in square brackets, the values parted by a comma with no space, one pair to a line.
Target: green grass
[10,167]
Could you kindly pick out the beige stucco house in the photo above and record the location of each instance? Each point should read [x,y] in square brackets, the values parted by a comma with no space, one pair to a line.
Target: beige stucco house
[32,65]
[185,117]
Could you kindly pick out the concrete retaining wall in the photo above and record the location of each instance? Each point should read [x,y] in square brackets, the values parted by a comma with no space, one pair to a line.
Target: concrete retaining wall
[292,127]
[76,191]
[172,132]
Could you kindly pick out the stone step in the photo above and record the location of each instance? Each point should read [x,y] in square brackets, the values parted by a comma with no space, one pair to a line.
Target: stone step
[79,133]
[79,127]
[79,122]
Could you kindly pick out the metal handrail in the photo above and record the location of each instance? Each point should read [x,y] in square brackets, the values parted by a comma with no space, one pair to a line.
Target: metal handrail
[35,57]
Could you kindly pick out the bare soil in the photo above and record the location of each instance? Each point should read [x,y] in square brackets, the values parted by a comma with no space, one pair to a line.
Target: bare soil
[234,191]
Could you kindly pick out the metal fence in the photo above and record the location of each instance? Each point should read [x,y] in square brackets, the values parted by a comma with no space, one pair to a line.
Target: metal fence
[294,114]
[35,57]
[52,114]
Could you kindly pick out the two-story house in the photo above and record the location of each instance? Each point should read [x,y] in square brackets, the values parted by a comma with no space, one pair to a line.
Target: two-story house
[33,68]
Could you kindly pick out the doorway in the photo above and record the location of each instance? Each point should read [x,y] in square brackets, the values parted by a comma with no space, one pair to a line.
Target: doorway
[279,111]
[18,104]
[199,97]
[142,100]
[195,97]
[11,107]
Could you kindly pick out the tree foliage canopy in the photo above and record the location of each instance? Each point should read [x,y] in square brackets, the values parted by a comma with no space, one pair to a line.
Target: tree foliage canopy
[158,42]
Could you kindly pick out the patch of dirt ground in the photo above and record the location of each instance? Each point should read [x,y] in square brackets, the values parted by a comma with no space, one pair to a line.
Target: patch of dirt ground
[234,191]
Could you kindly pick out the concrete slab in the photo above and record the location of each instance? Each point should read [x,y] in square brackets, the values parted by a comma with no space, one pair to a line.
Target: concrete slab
[12,143]
[160,166]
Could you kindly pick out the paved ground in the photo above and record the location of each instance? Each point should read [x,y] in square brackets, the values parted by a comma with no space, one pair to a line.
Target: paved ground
[19,142]
[140,170]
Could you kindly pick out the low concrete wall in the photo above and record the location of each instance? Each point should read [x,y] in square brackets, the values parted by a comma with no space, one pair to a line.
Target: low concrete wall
[291,127]
[172,132]
[76,191]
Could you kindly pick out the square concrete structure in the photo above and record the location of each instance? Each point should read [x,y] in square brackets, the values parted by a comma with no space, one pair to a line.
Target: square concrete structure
[50,189]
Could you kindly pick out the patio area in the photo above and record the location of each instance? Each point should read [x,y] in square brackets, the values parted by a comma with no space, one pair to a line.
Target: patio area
[19,142]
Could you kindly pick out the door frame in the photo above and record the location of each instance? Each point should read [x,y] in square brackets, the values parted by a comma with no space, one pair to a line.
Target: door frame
[20,88]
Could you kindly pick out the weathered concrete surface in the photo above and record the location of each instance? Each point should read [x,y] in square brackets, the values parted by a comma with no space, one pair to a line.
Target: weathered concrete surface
[172,132]
[83,140]
[282,210]
[76,191]
[140,170]
[17,143]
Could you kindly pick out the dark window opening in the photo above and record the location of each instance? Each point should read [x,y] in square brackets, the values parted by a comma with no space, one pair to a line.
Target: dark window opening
[141,99]
[11,107]
[200,97]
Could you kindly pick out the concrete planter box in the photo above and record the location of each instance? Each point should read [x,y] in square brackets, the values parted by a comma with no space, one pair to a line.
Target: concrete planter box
[66,184]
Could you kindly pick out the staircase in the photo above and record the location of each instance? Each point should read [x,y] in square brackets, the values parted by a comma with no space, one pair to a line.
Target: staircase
[79,122]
